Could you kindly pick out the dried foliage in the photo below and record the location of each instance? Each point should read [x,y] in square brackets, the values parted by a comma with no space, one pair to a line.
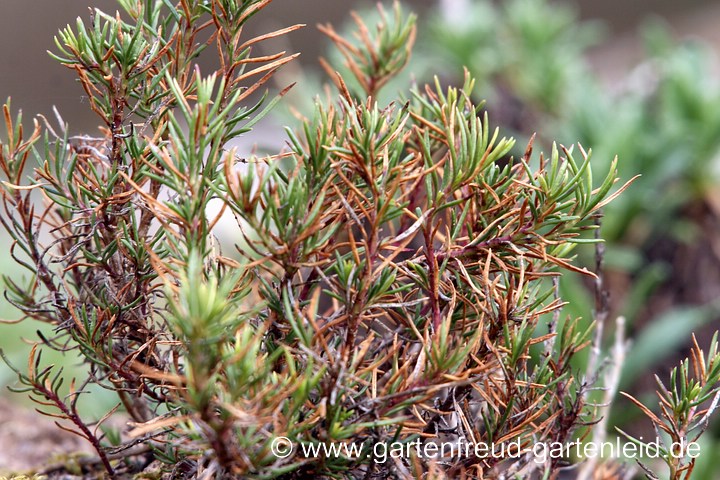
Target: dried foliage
[392,281]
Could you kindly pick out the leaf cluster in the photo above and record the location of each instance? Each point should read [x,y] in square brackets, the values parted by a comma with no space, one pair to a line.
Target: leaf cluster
[391,279]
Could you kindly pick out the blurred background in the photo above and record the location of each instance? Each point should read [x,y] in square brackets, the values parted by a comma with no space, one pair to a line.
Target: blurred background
[639,80]
[36,82]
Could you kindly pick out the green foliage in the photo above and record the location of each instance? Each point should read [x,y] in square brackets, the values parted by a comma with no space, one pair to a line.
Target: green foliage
[525,49]
[668,130]
[685,408]
[660,119]
[374,58]
[393,275]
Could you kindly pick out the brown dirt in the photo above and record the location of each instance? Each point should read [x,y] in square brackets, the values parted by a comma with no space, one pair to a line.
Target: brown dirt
[30,441]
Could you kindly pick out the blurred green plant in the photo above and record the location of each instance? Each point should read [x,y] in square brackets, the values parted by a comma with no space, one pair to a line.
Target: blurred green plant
[523,51]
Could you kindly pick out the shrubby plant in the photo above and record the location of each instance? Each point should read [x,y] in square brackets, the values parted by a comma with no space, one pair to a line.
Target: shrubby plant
[660,119]
[393,282]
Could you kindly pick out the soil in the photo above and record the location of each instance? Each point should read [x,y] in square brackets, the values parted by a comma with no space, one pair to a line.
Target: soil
[30,441]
